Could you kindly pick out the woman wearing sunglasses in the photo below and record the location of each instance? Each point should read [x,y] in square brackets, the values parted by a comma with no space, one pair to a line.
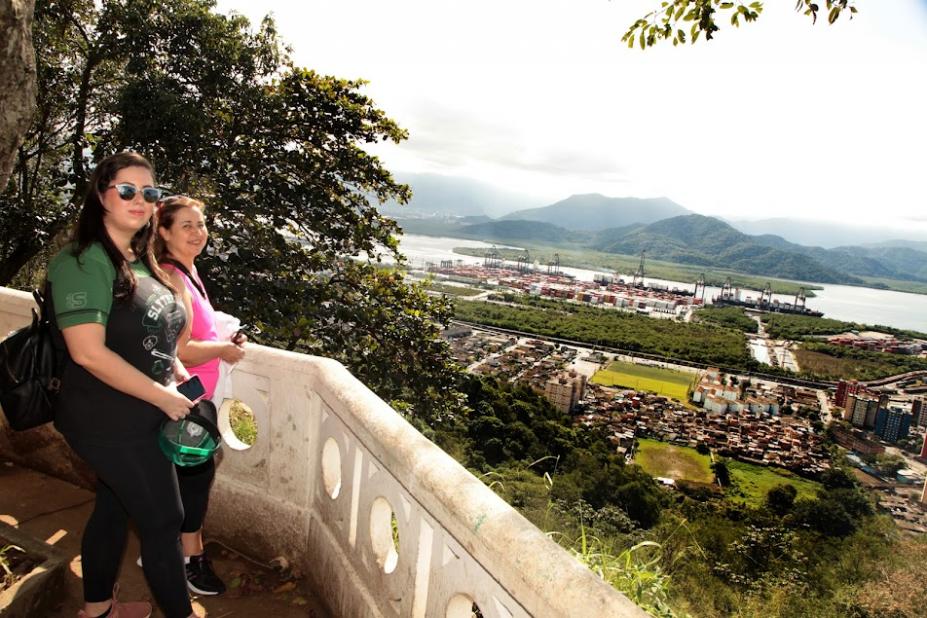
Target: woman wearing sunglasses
[181,237]
[121,319]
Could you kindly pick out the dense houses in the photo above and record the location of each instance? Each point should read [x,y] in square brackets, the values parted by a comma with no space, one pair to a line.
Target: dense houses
[469,346]
[535,363]
[761,438]
[719,394]
[749,420]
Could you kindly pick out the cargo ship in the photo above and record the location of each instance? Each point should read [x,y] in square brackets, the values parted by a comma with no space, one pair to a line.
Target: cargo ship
[765,302]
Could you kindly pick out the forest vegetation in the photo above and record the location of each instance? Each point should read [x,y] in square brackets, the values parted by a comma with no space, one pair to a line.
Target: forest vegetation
[700,343]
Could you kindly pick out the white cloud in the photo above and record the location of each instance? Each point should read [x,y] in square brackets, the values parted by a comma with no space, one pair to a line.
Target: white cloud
[778,118]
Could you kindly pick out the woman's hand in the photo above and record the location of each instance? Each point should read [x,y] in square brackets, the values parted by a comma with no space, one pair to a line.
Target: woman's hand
[232,352]
[172,403]
[181,374]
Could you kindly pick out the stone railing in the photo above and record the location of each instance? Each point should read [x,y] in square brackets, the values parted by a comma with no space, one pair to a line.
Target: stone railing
[381,521]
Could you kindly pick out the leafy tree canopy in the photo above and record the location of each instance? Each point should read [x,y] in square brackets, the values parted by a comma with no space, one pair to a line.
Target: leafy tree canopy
[686,20]
[781,498]
[722,473]
[276,151]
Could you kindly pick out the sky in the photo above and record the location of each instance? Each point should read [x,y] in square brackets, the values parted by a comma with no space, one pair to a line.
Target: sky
[779,118]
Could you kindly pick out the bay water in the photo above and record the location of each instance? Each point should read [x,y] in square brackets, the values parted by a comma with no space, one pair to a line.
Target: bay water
[841,302]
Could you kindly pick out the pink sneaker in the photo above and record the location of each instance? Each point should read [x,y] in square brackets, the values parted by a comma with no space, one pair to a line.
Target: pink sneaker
[133,609]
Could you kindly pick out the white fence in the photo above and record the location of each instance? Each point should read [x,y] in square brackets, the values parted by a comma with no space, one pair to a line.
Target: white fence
[336,475]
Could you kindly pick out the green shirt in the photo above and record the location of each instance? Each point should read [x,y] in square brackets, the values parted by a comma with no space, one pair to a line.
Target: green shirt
[142,329]
[83,288]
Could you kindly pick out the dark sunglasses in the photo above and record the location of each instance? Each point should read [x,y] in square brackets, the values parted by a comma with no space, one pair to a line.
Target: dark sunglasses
[127,192]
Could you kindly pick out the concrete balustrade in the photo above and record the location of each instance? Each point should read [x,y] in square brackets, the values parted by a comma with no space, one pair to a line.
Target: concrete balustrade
[335,476]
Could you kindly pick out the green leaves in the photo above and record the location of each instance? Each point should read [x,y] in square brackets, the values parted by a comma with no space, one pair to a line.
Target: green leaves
[663,24]
[277,153]
[834,9]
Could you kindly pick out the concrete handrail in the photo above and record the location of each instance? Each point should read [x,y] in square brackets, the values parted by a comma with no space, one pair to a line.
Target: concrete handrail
[336,474]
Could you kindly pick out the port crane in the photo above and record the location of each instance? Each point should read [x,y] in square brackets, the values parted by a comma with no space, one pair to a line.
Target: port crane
[800,298]
[638,278]
[699,283]
[492,259]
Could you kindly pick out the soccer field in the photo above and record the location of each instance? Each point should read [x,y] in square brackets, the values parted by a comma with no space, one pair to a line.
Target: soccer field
[753,482]
[667,382]
[675,462]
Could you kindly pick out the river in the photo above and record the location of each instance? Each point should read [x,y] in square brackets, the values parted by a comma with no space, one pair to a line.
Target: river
[841,302]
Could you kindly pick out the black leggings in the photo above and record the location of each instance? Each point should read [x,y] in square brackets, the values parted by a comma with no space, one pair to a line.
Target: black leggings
[134,481]
[195,482]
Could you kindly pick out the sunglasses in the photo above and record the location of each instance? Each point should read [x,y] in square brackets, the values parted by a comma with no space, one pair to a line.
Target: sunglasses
[127,192]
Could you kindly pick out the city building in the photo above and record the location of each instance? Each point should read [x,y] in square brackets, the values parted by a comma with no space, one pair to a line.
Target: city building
[919,412]
[565,390]
[845,388]
[861,410]
[856,440]
[892,424]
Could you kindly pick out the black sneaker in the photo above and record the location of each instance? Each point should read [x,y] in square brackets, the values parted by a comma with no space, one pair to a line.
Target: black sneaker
[201,579]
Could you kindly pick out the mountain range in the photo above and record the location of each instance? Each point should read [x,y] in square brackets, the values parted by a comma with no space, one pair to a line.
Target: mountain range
[690,239]
[664,229]
[593,211]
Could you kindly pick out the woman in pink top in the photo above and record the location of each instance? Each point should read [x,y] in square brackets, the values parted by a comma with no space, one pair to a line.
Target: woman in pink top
[181,238]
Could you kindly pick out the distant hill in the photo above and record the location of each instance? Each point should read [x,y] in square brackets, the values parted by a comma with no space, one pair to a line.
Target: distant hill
[460,207]
[437,195]
[594,212]
[507,231]
[521,231]
[827,234]
[706,241]
[889,262]
[919,245]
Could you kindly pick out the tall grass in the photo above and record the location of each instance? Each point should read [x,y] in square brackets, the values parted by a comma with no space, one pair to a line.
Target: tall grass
[635,571]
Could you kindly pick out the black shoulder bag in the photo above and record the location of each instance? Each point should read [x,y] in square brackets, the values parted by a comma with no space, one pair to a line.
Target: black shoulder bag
[32,362]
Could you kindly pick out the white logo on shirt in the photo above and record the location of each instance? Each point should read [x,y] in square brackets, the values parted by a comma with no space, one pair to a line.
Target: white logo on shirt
[76,300]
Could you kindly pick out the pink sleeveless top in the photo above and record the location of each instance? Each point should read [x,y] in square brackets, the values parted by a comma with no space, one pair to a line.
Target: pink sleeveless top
[203,329]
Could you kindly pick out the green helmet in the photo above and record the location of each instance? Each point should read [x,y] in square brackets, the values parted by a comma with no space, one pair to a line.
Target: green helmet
[191,440]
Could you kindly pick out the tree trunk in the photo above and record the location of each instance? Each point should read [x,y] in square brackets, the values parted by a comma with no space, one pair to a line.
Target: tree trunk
[17,79]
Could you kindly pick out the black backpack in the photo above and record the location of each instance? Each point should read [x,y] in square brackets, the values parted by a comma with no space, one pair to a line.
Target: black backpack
[32,362]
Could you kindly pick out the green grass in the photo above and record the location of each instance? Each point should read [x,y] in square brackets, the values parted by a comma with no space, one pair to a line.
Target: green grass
[241,418]
[914,287]
[667,382]
[453,290]
[676,462]
[751,483]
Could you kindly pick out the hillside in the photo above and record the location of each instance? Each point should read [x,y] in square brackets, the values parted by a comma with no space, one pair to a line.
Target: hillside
[629,225]
[706,241]
[830,234]
[594,212]
[535,231]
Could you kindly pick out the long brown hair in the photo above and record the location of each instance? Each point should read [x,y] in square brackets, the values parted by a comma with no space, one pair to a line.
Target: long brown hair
[164,217]
[90,227]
